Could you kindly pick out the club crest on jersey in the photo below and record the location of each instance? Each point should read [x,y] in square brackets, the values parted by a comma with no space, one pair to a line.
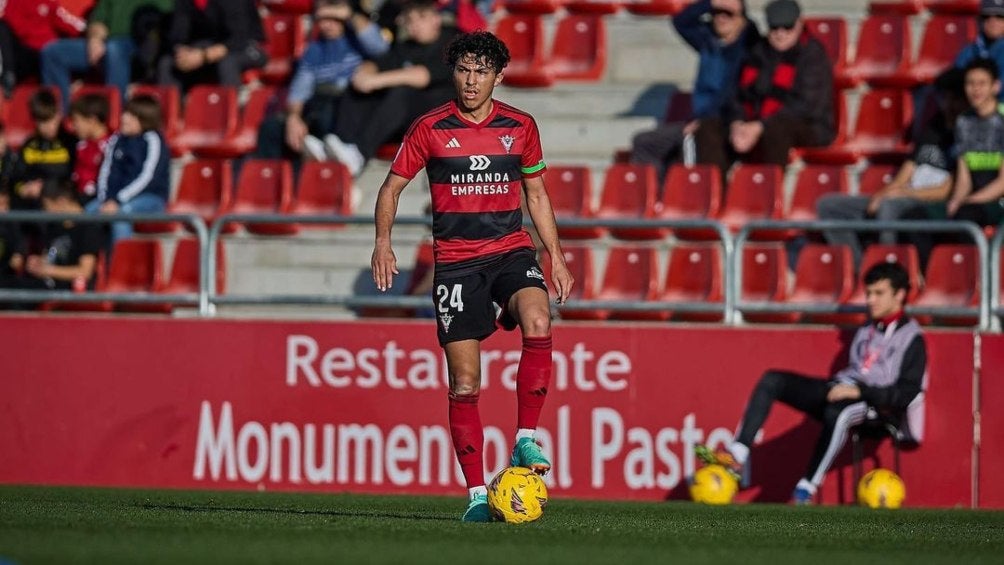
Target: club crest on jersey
[534,273]
[507,141]
[445,320]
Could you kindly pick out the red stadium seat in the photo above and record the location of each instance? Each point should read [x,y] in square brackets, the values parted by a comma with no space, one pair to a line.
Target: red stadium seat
[325,187]
[185,268]
[580,48]
[693,274]
[970,7]
[875,177]
[109,93]
[900,7]
[883,44]
[18,124]
[170,104]
[136,266]
[754,193]
[832,33]
[814,181]
[952,279]
[210,118]
[884,116]
[594,7]
[944,36]
[905,255]
[824,274]
[265,186]
[284,43]
[631,273]
[205,189]
[532,6]
[245,138]
[765,279]
[656,7]
[691,193]
[523,34]
[570,189]
[629,193]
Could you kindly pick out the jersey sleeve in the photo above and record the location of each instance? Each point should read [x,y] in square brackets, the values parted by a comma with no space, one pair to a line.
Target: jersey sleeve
[413,153]
[532,162]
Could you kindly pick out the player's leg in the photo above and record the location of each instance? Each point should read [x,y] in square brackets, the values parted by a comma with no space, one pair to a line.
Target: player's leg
[837,419]
[463,359]
[528,307]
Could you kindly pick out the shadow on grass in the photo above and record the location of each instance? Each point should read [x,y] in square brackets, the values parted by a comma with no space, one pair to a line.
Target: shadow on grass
[294,511]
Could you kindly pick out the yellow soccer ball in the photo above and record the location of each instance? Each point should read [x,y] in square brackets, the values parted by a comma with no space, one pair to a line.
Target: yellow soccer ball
[881,488]
[517,495]
[713,484]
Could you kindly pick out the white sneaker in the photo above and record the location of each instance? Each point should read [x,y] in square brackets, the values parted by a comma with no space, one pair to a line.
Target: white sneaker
[313,149]
[346,153]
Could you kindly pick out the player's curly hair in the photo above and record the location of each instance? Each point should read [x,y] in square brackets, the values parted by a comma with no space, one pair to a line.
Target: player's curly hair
[483,45]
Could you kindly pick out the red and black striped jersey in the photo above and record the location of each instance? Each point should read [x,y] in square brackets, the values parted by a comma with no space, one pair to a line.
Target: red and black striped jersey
[476,173]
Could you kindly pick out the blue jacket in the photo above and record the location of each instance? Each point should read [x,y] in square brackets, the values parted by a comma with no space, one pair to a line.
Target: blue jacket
[718,65]
[133,165]
[980,49]
[333,61]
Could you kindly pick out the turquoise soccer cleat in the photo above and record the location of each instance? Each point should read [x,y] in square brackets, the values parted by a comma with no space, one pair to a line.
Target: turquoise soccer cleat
[477,510]
[526,453]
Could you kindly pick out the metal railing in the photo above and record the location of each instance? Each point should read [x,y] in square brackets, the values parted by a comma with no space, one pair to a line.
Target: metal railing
[996,247]
[41,218]
[941,226]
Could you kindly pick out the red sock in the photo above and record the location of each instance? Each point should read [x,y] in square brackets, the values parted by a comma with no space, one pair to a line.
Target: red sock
[468,437]
[532,379]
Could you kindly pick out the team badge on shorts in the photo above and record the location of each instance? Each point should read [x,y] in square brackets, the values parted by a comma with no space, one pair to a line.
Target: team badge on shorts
[534,273]
[507,141]
[445,320]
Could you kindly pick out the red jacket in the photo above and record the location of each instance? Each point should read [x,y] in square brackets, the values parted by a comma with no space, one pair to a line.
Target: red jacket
[37,22]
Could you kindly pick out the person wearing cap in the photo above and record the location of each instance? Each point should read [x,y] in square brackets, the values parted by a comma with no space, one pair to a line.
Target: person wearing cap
[722,35]
[987,44]
[783,99]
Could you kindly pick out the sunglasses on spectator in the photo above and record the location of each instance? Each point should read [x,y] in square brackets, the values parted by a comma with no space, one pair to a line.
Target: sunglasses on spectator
[788,27]
[723,12]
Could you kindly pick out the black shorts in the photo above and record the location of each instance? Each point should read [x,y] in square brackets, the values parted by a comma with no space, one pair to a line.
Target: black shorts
[474,305]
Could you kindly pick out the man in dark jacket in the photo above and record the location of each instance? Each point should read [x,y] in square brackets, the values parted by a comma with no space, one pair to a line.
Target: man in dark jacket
[212,41]
[784,98]
[722,35]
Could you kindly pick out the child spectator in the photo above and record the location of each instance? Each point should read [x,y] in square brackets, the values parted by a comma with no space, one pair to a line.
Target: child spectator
[134,176]
[46,154]
[345,37]
[70,248]
[89,115]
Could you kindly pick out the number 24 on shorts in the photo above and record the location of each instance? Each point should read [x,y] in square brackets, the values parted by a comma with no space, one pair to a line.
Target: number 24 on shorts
[454,295]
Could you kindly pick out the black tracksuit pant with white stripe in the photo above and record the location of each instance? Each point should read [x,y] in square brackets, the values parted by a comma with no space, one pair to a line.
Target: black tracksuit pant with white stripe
[808,395]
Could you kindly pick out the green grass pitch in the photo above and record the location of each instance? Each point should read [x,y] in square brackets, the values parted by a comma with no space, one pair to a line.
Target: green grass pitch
[76,525]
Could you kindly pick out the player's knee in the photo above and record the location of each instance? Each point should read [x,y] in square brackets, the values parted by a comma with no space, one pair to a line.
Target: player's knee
[465,387]
[537,324]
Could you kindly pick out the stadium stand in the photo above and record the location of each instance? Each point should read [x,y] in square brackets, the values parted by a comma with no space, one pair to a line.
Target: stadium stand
[884,43]
[323,188]
[629,192]
[580,48]
[570,189]
[185,269]
[693,274]
[109,93]
[812,182]
[765,280]
[952,279]
[265,186]
[136,266]
[285,40]
[690,193]
[755,192]
[524,35]
[211,117]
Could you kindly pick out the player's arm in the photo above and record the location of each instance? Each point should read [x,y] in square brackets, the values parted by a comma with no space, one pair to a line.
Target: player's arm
[384,263]
[539,206]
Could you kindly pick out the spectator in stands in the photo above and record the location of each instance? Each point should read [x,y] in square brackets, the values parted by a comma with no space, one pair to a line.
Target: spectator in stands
[987,44]
[212,41]
[784,98]
[46,154]
[389,93]
[109,45]
[71,248]
[134,175]
[345,38]
[722,35]
[885,375]
[924,179]
[26,26]
[978,194]
[89,115]
[12,249]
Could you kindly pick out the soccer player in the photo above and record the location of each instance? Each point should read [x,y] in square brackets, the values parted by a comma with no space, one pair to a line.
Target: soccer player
[885,373]
[481,156]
